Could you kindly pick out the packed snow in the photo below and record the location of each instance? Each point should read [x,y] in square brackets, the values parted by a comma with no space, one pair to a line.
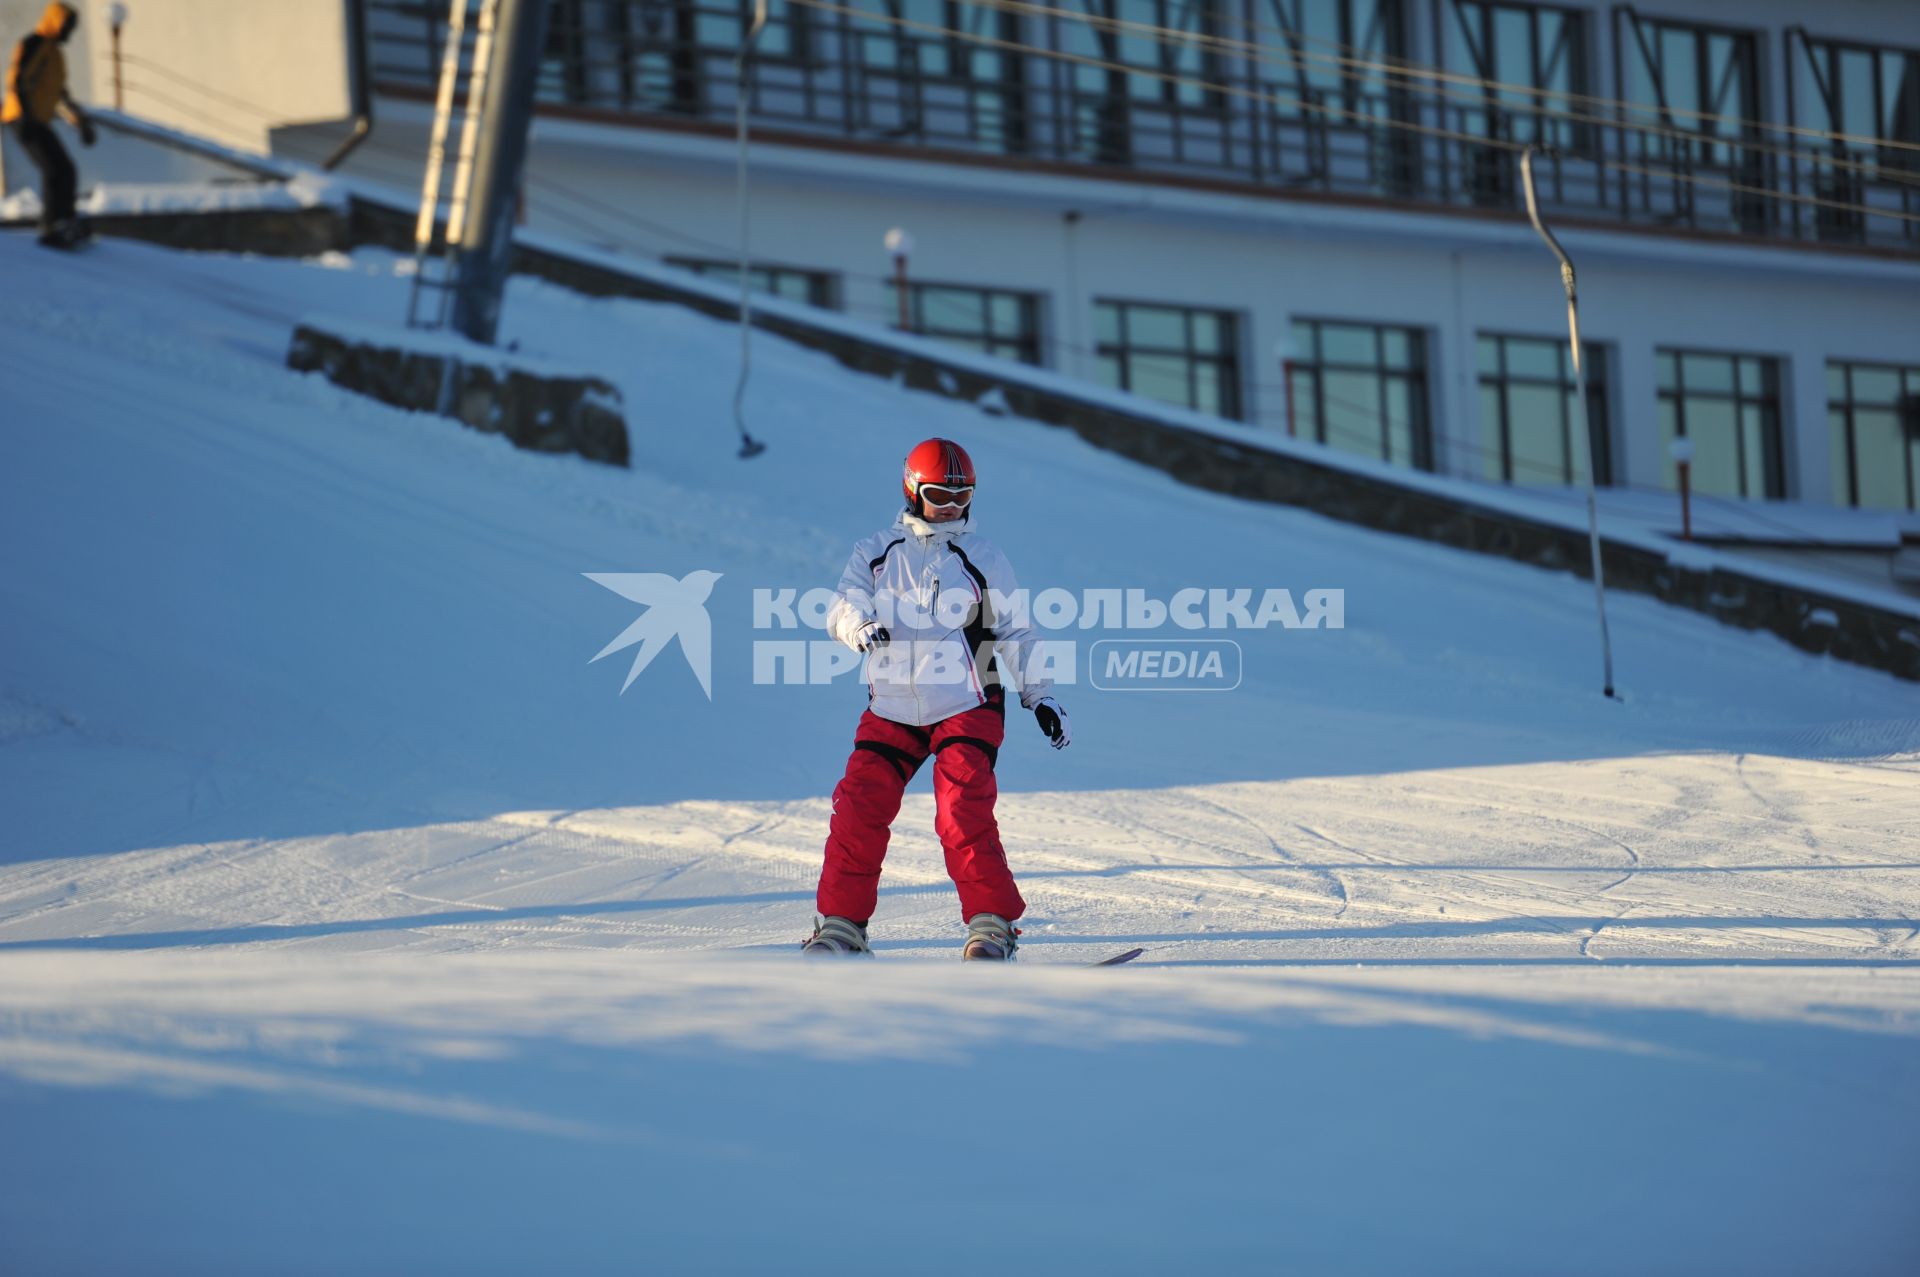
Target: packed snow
[352,919]
[104,199]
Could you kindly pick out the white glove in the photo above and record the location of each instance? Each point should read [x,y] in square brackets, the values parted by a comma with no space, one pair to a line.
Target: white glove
[1053,721]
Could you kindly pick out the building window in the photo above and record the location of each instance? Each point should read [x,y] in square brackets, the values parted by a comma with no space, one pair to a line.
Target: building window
[938,71]
[1330,66]
[1701,80]
[1701,85]
[1309,32]
[1513,48]
[990,320]
[1873,425]
[1729,407]
[1869,92]
[1175,45]
[1868,96]
[1527,424]
[563,63]
[1362,388]
[788,35]
[816,288]
[1174,354]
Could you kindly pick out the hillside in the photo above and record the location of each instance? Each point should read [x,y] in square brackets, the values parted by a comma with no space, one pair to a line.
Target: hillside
[337,883]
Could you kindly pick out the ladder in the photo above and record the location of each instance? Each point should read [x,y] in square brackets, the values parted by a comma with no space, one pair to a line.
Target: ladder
[440,273]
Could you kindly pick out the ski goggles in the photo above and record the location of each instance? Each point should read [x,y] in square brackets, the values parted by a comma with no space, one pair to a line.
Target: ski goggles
[941,495]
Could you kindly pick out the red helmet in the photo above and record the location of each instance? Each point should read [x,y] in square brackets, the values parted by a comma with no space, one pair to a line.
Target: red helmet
[940,463]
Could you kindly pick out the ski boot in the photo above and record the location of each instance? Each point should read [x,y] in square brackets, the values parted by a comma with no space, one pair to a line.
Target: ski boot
[833,935]
[990,938]
[68,235]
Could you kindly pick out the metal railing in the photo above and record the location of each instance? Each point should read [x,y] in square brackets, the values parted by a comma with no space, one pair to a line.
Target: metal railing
[873,80]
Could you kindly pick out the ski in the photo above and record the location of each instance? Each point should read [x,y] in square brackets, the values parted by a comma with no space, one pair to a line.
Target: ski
[1118,958]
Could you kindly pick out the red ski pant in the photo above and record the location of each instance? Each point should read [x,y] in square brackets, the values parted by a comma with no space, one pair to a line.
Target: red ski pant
[885,756]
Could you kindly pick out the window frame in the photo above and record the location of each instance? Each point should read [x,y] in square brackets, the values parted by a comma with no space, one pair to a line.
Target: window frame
[1395,36]
[1210,20]
[1307,358]
[1773,368]
[1032,341]
[882,20]
[1632,35]
[1909,374]
[1598,360]
[1830,47]
[1578,37]
[823,286]
[1227,361]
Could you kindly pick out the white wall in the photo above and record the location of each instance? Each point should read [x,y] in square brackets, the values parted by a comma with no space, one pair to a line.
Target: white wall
[198,62]
[229,70]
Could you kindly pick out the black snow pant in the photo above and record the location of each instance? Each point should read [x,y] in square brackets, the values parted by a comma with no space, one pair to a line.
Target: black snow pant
[57,176]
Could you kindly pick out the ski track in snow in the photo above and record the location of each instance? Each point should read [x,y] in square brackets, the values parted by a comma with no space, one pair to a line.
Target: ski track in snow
[742,873]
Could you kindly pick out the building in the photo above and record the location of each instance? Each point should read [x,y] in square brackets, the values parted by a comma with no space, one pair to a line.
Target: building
[1301,214]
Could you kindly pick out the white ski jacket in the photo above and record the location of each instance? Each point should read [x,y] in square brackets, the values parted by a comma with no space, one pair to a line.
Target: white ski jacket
[932,586]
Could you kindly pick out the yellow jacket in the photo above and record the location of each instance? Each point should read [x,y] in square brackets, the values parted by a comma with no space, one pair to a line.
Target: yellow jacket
[37,76]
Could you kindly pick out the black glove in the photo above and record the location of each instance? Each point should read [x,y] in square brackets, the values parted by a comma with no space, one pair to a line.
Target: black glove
[871,635]
[87,134]
[1053,721]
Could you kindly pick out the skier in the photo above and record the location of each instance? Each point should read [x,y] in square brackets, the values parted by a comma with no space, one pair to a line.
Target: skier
[936,676]
[36,92]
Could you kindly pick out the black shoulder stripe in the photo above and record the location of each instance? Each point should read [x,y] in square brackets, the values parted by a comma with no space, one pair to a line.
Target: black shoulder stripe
[979,577]
[979,630]
[873,564]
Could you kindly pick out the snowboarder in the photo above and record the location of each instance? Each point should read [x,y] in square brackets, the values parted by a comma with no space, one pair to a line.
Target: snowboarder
[36,92]
[918,599]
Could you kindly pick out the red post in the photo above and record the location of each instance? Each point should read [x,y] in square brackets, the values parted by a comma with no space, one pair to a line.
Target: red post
[1681,450]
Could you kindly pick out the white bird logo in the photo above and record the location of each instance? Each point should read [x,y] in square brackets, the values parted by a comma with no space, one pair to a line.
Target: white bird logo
[675,609]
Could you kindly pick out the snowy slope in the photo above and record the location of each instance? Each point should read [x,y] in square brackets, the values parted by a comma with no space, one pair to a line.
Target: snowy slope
[337,884]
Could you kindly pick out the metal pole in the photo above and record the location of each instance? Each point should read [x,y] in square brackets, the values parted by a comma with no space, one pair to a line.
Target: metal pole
[479,77]
[749,446]
[1583,446]
[360,80]
[486,241]
[424,224]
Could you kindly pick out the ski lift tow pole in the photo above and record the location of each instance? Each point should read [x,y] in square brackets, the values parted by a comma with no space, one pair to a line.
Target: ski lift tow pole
[749,446]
